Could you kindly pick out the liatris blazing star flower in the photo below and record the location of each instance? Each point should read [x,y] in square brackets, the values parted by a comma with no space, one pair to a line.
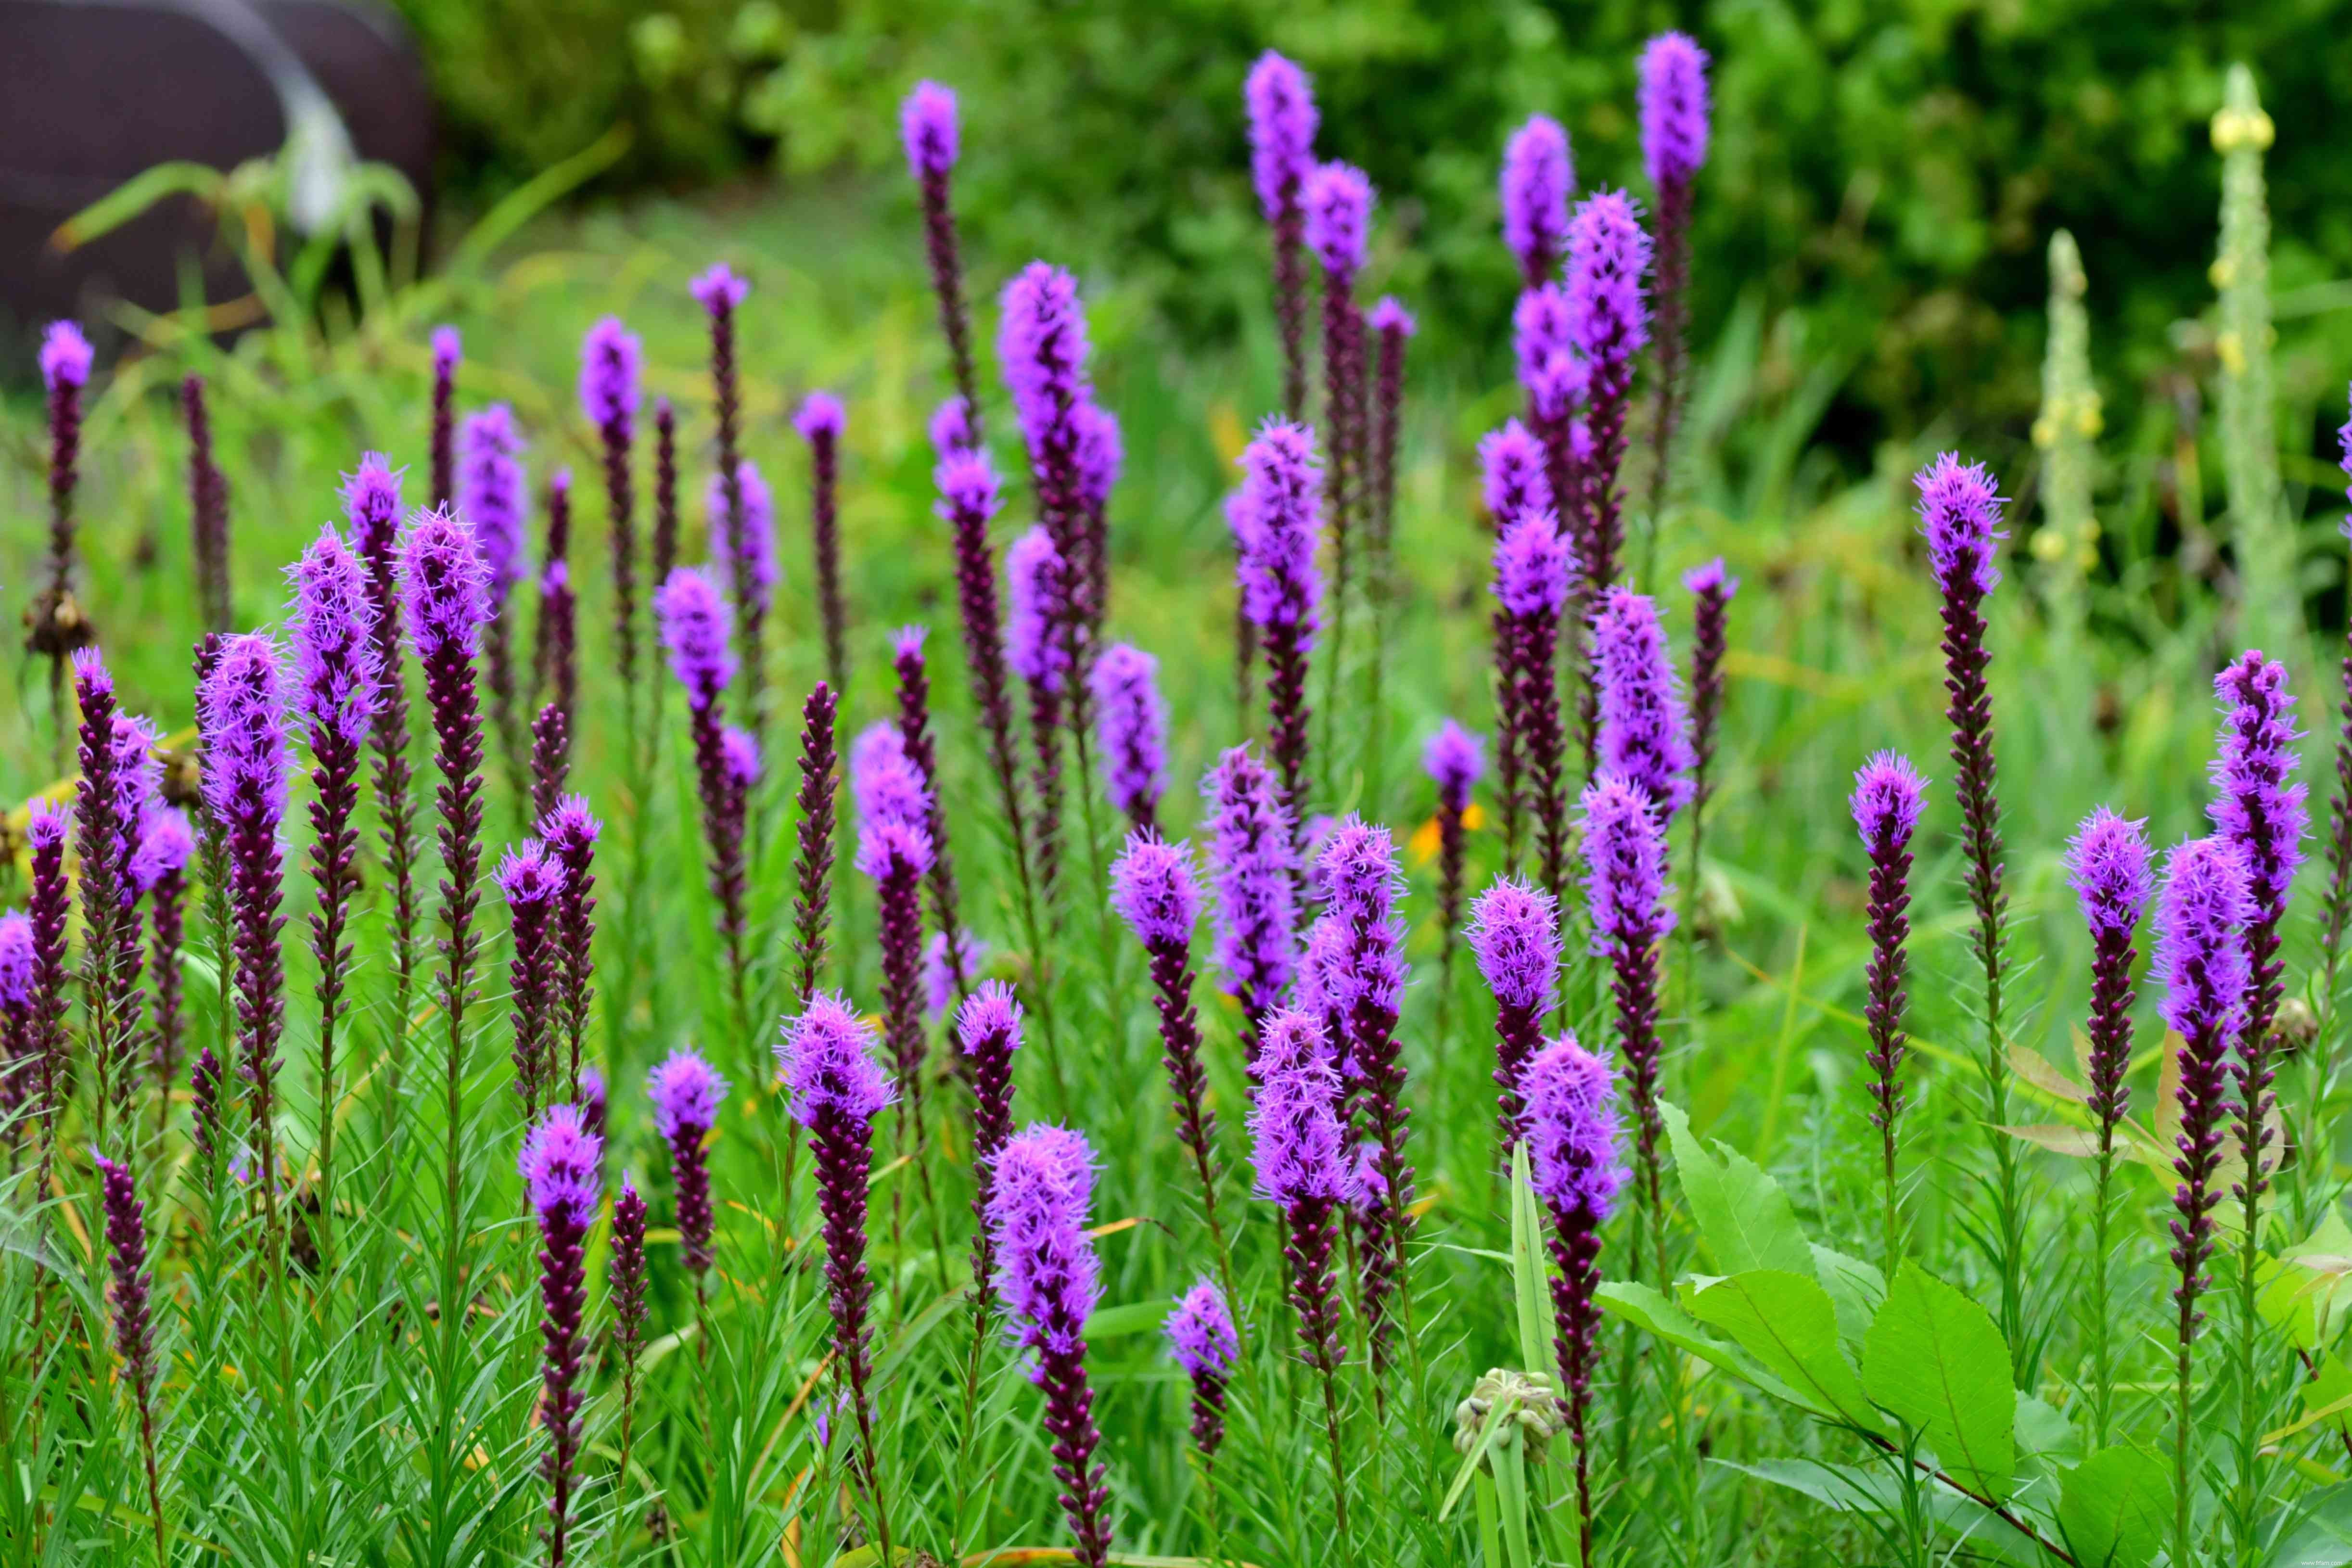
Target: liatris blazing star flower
[1357,876]
[884,785]
[555,648]
[551,740]
[1274,516]
[447,350]
[928,129]
[2201,956]
[1455,761]
[1571,1095]
[2339,815]
[208,509]
[609,361]
[686,1093]
[593,1101]
[742,530]
[1339,202]
[532,885]
[834,1088]
[205,1126]
[812,858]
[695,624]
[1674,145]
[1608,252]
[720,293]
[559,1162]
[1154,888]
[664,539]
[1642,737]
[1556,377]
[126,1248]
[372,511]
[969,498]
[491,491]
[106,811]
[988,1031]
[895,855]
[940,992]
[1041,340]
[20,1064]
[55,625]
[908,663]
[1100,455]
[1533,571]
[47,912]
[819,423]
[954,430]
[626,1279]
[1254,870]
[1539,177]
[1959,514]
[1515,935]
[243,709]
[1626,900]
[1134,732]
[1036,578]
[337,677]
[1282,121]
[2107,864]
[1299,1148]
[569,834]
[1887,795]
[1710,590]
[1393,326]
[1037,1222]
[1200,1330]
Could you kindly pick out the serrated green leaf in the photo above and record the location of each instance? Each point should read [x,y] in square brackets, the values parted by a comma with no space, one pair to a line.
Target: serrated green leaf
[1855,1288]
[2115,1508]
[1746,1218]
[1850,1489]
[1786,1322]
[1645,1308]
[2321,1530]
[1934,1358]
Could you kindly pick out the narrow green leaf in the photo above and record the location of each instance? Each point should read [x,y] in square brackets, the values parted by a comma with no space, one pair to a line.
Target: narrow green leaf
[1747,1220]
[1511,1493]
[1497,1420]
[2115,1508]
[1527,1265]
[1934,1358]
[1786,1322]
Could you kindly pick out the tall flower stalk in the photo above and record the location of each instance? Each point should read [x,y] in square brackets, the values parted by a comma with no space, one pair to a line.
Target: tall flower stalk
[1960,513]
[626,1278]
[1037,577]
[721,292]
[126,1246]
[1532,572]
[835,1089]
[1037,1220]
[609,361]
[1282,121]
[1253,872]
[664,545]
[20,1063]
[812,858]
[1455,761]
[448,349]
[555,645]
[1609,321]
[686,1093]
[2107,864]
[969,497]
[570,833]
[695,624]
[1626,900]
[532,884]
[1339,202]
[907,661]
[159,873]
[1273,515]
[1392,328]
[819,423]
[1514,937]
[895,855]
[57,623]
[1887,795]
[1517,488]
[1556,378]
[1711,591]
[492,498]
[207,511]
[1674,114]
[1571,1095]
[927,131]
[988,1031]
[2201,958]
[372,513]
[48,911]
[1134,722]
[337,675]
[107,805]
[1201,1332]
[560,1163]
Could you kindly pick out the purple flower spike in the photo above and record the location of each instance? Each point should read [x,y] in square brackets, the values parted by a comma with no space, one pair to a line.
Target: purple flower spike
[1200,1330]
[1887,796]
[719,290]
[449,351]
[611,361]
[570,833]
[1643,730]
[1625,896]
[126,1246]
[1711,590]
[926,127]
[1608,253]
[1156,891]
[2107,866]
[1514,934]
[1959,514]
[696,627]
[1673,97]
[1514,480]
[1274,518]
[1299,1147]
[1539,177]
[954,438]
[1280,105]
[988,1031]
[533,886]
[752,545]
[1455,761]
[1050,1281]
[19,1065]
[491,490]
[446,588]
[1134,723]
[560,1163]
[1572,1131]
[895,855]
[819,422]
[66,357]
[1338,200]
[1533,572]
[1033,571]
[686,1093]
[1042,340]
[116,788]
[1254,870]
[814,803]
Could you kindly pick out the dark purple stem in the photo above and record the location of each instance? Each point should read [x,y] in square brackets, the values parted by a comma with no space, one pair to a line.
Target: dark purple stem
[563,1295]
[824,531]
[208,509]
[1890,931]
[812,865]
[947,282]
[915,733]
[1575,1246]
[1672,304]
[1306,1246]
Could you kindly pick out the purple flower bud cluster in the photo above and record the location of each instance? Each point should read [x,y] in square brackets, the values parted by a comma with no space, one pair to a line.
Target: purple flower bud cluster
[532,883]
[686,1093]
[126,1248]
[48,913]
[929,131]
[1338,200]
[2107,866]
[1608,256]
[627,1279]
[448,350]
[1044,1183]
[1533,571]
[1455,761]
[115,789]
[1134,722]
[969,497]
[987,1032]
[1626,901]
[896,854]
[371,512]
[20,1063]
[207,511]
[1274,519]
[561,1160]
[819,423]
[1201,1334]
[1643,733]
[55,623]
[1556,378]
[1156,891]
[611,363]
[2200,958]
[1711,590]
[1254,874]
[1888,794]
[907,662]
[1393,326]
[1515,935]
[1674,105]
[1539,177]
[721,292]
[1036,581]
[812,856]
[1280,106]
[1041,340]
[695,626]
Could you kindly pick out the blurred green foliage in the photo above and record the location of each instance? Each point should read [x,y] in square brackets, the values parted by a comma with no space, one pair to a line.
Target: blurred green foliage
[1890,168]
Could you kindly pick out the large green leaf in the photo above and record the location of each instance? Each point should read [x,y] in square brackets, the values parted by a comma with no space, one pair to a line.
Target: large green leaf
[1855,1288]
[1851,1489]
[1747,1220]
[1645,1308]
[2115,1508]
[2321,1536]
[1935,1359]
[1786,1322]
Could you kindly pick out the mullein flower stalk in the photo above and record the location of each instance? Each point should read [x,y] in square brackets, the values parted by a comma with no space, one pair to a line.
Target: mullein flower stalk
[2065,433]
[492,488]
[1282,121]
[1052,1281]
[104,815]
[1035,581]
[1299,1142]
[1609,322]
[819,423]
[2201,958]
[532,885]
[1357,876]
[1253,870]
[1571,1132]
[1339,202]
[126,1248]
[1134,722]
[626,1279]
[1201,1332]
[686,1093]
[927,128]
[908,663]
[447,600]
[560,1163]
[2107,864]
[555,646]
[695,625]
[1959,514]
[56,623]
[834,1088]
[2261,533]
[1514,937]
[447,350]
[1711,591]
[568,833]
[609,361]
[337,677]
[1273,515]
[720,293]
[812,859]
[1887,795]
[159,872]
[1454,759]
[2259,807]
[1533,571]
[372,514]
[1626,899]
[1674,115]
[207,511]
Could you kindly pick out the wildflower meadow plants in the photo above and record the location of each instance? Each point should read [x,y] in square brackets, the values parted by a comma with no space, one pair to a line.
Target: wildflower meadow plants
[945,1044]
